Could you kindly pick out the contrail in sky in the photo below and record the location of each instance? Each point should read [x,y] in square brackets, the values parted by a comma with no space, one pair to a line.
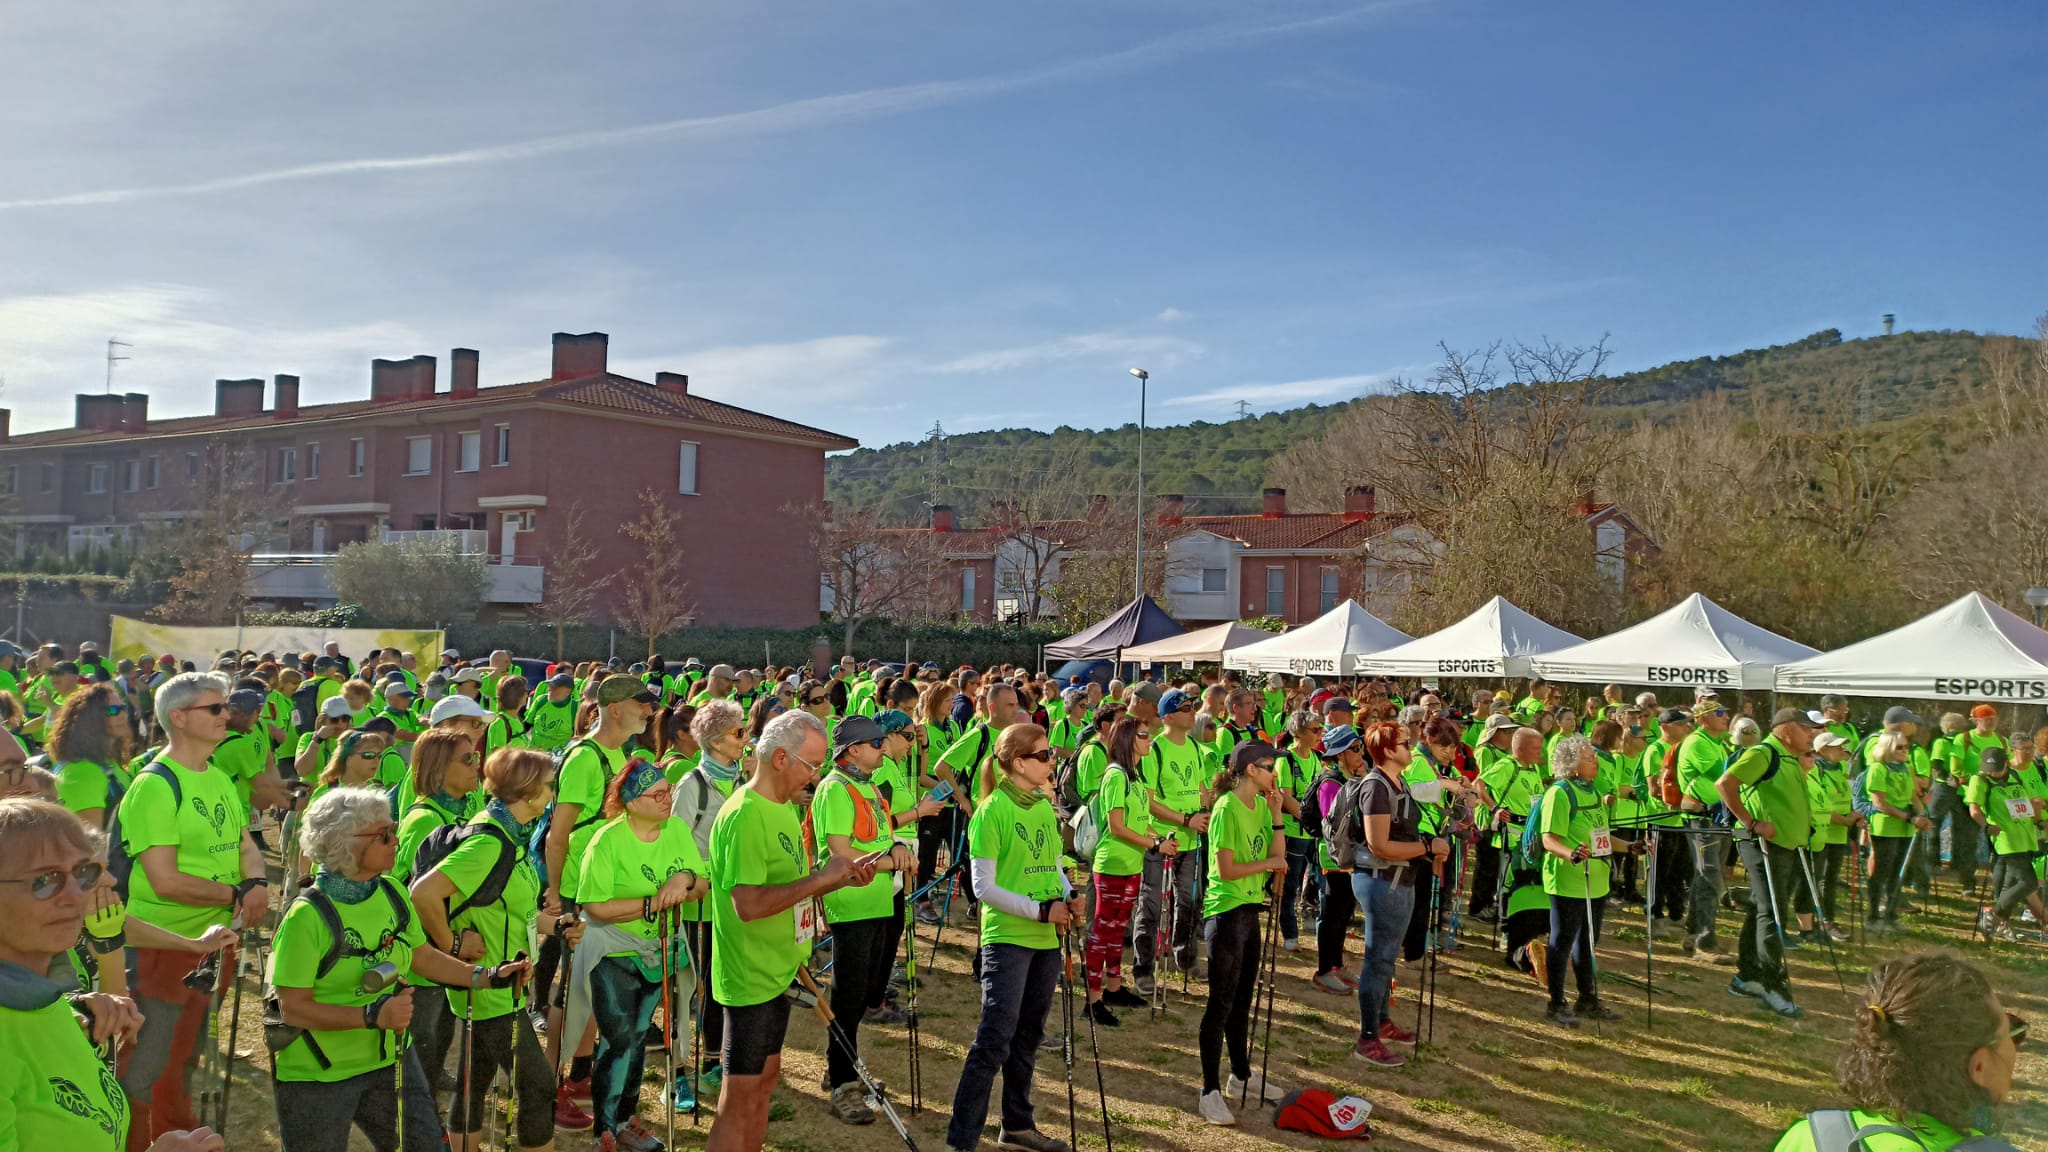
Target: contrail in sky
[818,111]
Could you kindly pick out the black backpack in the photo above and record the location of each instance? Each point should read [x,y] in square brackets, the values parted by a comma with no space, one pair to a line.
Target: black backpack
[447,838]
[1311,818]
[120,865]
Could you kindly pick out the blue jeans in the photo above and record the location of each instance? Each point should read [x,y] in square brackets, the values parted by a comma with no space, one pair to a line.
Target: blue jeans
[1301,872]
[1387,905]
[1016,994]
[623,1002]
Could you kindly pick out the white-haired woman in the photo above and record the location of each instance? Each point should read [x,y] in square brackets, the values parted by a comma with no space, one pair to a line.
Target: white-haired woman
[720,729]
[1891,785]
[1576,845]
[347,1026]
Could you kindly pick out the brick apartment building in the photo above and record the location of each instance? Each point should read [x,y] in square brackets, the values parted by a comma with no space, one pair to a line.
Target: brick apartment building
[495,469]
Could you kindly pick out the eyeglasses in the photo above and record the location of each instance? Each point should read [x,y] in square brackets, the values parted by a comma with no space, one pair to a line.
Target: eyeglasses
[209,709]
[46,885]
[385,835]
[472,758]
[1043,755]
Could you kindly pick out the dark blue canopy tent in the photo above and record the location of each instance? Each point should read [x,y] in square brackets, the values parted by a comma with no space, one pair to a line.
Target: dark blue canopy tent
[1139,622]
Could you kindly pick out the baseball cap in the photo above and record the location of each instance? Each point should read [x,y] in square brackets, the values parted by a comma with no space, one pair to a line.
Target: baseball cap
[561,680]
[167,658]
[1816,718]
[466,676]
[1993,761]
[1494,724]
[1827,740]
[892,720]
[397,688]
[1984,711]
[245,700]
[1251,752]
[1174,701]
[638,669]
[693,662]
[1900,714]
[1342,738]
[336,708]
[1674,716]
[722,672]
[617,688]
[450,654]
[456,707]
[1337,704]
[1150,691]
[1708,707]
[1797,716]
[851,731]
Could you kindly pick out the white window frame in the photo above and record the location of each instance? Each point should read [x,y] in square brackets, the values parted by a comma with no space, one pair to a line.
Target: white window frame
[49,477]
[1281,592]
[1329,590]
[689,462]
[312,459]
[13,479]
[1222,580]
[131,475]
[191,467]
[412,452]
[358,454]
[96,480]
[153,475]
[967,589]
[469,451]
[287,465]
[503,447]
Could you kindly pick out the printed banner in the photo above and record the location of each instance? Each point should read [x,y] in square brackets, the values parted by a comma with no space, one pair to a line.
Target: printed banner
[144,640]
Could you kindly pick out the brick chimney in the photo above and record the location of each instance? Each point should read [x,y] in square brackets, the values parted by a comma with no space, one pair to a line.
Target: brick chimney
[422,368]
[99,413]
[1273,503]
[462,372]
[238,397]
[580,354]
[1170,509]
[1586,504]
[6,421]
[135,411]
[942,517]
[676,382]
[284,393]
[1098,508]
[1359,503]
[390,379]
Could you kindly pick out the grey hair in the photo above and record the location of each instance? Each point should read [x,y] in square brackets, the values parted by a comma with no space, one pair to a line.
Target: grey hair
[1413,715]
[786,733]
[1074,695]
[335,823]
[1744,731]
[1831,700]
[1302,721]
[1646,700]
[181,690]
[1566,754]
[715,718]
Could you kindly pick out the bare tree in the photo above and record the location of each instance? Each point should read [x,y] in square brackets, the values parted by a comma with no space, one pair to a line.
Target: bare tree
[204,558]
[656,600]
[870,570]
[415,584]
[572,584]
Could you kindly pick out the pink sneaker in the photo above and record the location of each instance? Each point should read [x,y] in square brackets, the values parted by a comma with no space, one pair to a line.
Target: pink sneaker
[1393,1033]
[1377,1054]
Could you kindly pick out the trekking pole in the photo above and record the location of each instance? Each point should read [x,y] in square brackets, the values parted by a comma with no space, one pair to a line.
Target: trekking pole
[1272,959]
[1856,889]
[1431,944]
[469,1051]
[206,978]
[702,980]
[1771,894]
[916,1073]
[1194,906]
[1650,937]
[1827,934]
[375,981]
[1067,1041]
[665,935]
[876,1097]
[512,1118]
[1095,1053]
[1592,960]
[1160,934]
[227,1070]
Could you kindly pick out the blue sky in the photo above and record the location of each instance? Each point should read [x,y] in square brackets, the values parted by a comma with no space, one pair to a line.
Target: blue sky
[871,216]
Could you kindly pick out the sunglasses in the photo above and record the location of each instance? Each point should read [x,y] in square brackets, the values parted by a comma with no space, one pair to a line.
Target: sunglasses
[86,877]
[1043,755]
[209,709]
[366,755]
[116,709]
[646,698]
[2016,1030]
[814,701]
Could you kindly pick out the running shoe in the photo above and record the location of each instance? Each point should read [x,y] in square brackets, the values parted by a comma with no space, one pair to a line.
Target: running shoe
[1100,1013]
[1332,983]
[1377,1054]
[1782,1004]
[567,1114]
[1349,980]
[1561,1014]
[579,1089]
[634,1138]
[1252,1088]
[681,1097]
[1146,984]
[1030,1140]
[1737,986]
[1393,1033]
[1216,1110]
[1124,998]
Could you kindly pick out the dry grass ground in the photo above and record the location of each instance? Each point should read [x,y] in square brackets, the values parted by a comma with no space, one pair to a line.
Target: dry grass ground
[1716,1072]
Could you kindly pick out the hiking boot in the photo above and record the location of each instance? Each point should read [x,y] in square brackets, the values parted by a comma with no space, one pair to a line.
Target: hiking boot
[1124,998]
[681,1097]
[1393,1033]
[1782,1004]
[1377,1054]
[1030,1140]
[1253,1088]
[1216,1110]
[1099,1012]
[634,1138]
[886,1014]
[849,1104]
[926,914]
[825,1084]
[1146,984]
[1290,943]
[1594,1010]
[1737,986]
[1561,1014]
[567,1114]
[1331,982]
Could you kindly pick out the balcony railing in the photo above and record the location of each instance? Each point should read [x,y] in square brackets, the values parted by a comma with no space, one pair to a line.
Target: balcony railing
[467,541]
[310,576]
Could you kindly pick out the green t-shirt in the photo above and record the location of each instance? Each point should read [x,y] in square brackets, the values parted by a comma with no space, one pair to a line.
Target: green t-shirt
[843,806]
[504,731]
[1246,832]
[504,925]
[550,725]
[326,752]
[586,772]
[1089,766]
[243,756]
[1827,796]
[1965,753]
[1294,773]
[1572,810]
[83,785]
[1175,771]
[421,817]
[1931,1135]
[1120,793]
[965,754]
[1894,782]
[755,842]
[1780,799]
[371,929]
[675,766]
[207,831]
[1514,787]
[54,1090]
[893,783]
[1649,768]
[2009,812]
[618,865]
[1702,757]
[402,719]
[1024,842]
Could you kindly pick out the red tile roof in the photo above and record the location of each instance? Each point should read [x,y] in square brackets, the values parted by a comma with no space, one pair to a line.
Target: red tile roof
[618,393]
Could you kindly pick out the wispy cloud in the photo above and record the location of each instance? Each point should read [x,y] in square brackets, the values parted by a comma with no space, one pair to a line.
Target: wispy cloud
[794,115]
[1086,346]
[1288,391]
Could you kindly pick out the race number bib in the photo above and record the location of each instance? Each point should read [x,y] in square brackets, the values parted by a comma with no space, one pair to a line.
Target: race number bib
[2019,807]
[1600,842]
[806,922]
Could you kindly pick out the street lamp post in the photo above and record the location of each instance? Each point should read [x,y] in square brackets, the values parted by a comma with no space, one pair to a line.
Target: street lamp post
[1144,376]
[2037,599]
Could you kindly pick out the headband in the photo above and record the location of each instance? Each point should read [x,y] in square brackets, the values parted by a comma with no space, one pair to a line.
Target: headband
[639,776]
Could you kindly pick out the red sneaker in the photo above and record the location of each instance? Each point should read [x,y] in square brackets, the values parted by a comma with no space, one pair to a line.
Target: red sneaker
[1378,1055]
[1393,1033]
[1349,980]
[567,1114]
[580,1089]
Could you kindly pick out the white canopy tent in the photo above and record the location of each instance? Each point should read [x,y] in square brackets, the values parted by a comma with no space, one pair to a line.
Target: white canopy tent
[1972,649]
[1497,640]
[1332,644]
[1203,646]
[1694,643]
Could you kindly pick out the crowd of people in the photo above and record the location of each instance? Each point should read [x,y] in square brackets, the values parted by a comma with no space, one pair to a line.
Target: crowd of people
[486,877]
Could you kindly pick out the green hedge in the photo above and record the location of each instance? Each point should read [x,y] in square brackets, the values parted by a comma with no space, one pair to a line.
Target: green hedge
[944,644]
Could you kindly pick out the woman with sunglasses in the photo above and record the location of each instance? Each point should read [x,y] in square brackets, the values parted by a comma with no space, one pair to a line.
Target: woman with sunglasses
[1385,873]
[57,1085]
[520,784]
[1931,1058]
[638,866]
[333,1069]
[89,741]
[719,730]
[1027,906]
[446,769]
[1125,804]
[1247,849]
[675,749]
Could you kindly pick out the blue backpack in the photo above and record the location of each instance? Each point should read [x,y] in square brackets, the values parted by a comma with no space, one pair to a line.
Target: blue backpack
[1529,853]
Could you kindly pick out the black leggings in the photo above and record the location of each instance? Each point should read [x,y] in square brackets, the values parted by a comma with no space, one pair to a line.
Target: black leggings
[1884,877]
[933,831]
[1826,863]
[1233,981]
[493,1041]
[2012,881]
[1333,921]
[710,1016]
[859,973]
[1416,940]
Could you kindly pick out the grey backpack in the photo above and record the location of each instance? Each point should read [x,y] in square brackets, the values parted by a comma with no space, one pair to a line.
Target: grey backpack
[1834,1130]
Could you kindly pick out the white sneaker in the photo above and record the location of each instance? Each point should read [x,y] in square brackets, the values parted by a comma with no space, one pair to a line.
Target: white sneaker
[1215,1110]
[1234,1089]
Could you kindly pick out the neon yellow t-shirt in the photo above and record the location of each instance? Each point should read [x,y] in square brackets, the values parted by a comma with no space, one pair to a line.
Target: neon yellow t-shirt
[755,842]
